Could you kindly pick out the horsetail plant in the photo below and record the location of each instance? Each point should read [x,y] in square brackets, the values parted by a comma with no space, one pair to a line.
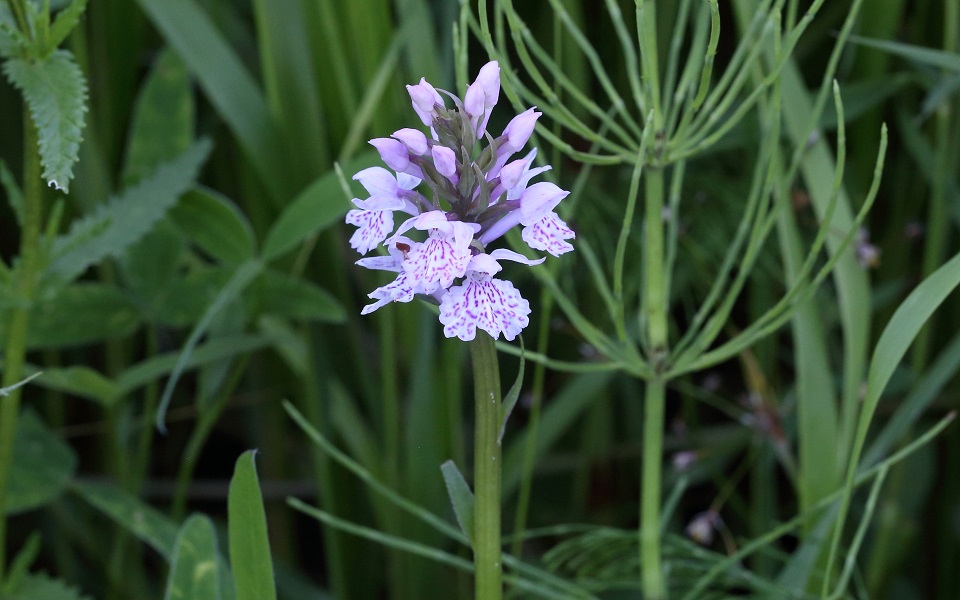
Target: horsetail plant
[475,192]
[674,112]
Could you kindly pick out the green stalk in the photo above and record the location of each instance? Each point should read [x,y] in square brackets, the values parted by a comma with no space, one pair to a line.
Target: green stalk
[198,437]
[16,348]
[655,310]
[486,538]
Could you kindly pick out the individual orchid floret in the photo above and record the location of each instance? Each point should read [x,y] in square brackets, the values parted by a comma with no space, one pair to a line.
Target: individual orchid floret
[483,302]
[482,96]
[380,182]
[374,221]
[425,99]
[400,289]
[437,262]
[535,201]
[549,233]
[515,136]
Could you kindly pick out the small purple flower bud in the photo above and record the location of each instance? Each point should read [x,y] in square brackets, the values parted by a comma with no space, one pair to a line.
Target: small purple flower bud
[425,97]
[519,130]
[413,139]
[445,160]
[482,96]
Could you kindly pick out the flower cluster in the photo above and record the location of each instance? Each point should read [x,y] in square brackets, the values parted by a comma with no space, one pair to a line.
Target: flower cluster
[474,194]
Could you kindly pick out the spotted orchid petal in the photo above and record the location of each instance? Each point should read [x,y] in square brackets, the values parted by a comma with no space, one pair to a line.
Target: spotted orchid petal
[549,234]
[482,302]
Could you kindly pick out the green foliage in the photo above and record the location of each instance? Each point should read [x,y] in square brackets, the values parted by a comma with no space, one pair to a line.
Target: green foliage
[43,467]
[249,547]
[215,225]
[115,226]
[42,587]
[461,498]
[162,125]
[64,23]
[317,207]
[193,565]
[55,90]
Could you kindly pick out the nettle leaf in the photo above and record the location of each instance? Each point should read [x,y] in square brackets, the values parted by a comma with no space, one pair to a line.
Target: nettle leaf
[65,22]
[11,40]
[121,222]
[56,94]
[42,587]
[82,313]
[44,465]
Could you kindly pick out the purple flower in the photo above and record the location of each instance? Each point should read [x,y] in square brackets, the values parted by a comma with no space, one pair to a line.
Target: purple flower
[465,207]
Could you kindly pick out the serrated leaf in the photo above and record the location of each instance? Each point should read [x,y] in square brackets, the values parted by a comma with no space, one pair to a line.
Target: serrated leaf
[55,91]
[65,22]
[317,207]
[113,227]
[194,565]
[288,296]
[215,225]
[81,313]
[43,467]
[247,528]
[162,123]
[461,497]
[42,587]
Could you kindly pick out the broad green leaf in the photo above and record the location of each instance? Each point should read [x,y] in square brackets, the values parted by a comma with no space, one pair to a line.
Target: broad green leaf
[65,22]
[461,498]
[147,523]
[288,296]
[81,313]
[151,264]
[194,564]
[44,465]
[215,225]
[247,526]
[314,209]
[114,226]
[229,87]
[81,381]
[893,344]
[42,587]
[55,92]
[162,123]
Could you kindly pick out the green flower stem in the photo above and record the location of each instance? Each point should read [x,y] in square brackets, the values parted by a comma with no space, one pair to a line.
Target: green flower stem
[16,347]
[486,481]
[655,312]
